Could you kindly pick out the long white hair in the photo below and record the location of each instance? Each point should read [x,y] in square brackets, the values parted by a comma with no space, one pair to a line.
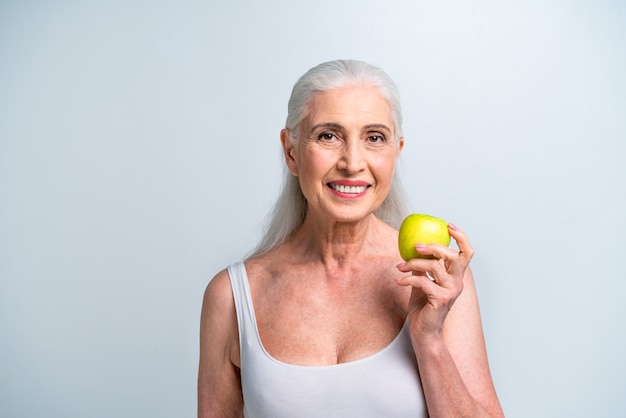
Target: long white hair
[291,206]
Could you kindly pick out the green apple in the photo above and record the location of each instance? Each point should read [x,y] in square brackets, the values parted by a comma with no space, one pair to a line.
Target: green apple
[421,229]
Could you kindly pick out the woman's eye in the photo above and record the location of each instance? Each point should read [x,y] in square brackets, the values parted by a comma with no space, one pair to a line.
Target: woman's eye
[376,139]
[326,136]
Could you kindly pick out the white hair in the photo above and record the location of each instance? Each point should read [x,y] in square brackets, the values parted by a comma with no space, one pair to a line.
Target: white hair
[290,208]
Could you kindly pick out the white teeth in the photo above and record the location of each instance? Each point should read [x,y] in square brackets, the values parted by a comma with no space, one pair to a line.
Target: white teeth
[348,189]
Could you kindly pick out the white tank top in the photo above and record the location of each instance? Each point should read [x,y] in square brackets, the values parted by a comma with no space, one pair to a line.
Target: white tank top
[385,384]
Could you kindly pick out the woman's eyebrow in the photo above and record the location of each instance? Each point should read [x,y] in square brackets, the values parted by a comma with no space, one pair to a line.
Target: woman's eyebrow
[332,125]
[377,126]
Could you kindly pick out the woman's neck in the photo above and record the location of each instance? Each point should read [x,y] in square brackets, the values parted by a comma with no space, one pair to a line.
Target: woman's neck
[336,244]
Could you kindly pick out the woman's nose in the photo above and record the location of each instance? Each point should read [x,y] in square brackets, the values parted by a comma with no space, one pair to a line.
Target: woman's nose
[352,158]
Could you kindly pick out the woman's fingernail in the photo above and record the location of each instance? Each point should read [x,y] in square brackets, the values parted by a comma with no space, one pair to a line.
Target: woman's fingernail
[452,227]
[419,246]
[401,265]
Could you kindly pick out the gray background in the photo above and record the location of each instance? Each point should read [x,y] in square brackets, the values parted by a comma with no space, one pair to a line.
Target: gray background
[139,155]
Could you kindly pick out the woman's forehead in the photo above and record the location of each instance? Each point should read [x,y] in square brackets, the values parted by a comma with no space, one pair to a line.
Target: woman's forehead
[354,104]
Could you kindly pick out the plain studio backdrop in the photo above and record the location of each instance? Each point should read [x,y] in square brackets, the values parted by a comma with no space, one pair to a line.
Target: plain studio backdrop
[139,155]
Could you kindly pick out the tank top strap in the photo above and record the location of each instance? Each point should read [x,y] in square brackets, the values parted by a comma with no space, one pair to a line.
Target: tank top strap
[243,304]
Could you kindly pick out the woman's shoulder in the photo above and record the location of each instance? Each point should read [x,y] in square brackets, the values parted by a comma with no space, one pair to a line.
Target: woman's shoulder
[218,322]
[218,294]
[219,288]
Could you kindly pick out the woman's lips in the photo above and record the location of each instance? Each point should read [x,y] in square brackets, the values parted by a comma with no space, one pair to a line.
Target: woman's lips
[352,188]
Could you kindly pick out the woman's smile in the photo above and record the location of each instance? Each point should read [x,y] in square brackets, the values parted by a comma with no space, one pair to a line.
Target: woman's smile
[349,189]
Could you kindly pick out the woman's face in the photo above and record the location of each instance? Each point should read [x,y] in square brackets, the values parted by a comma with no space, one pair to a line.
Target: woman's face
[346,155]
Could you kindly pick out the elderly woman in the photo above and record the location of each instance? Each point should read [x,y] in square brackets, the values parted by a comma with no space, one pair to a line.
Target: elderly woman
[325,319]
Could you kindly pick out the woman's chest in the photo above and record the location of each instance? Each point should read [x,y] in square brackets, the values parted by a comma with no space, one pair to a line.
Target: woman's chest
[322,325]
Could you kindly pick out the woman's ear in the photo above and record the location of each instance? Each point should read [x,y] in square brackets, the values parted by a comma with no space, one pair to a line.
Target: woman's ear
[289,150]
[400,145]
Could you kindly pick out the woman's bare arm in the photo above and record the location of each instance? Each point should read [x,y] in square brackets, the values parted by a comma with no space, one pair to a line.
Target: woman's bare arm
[447,333]
[454,369]
[219,383]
